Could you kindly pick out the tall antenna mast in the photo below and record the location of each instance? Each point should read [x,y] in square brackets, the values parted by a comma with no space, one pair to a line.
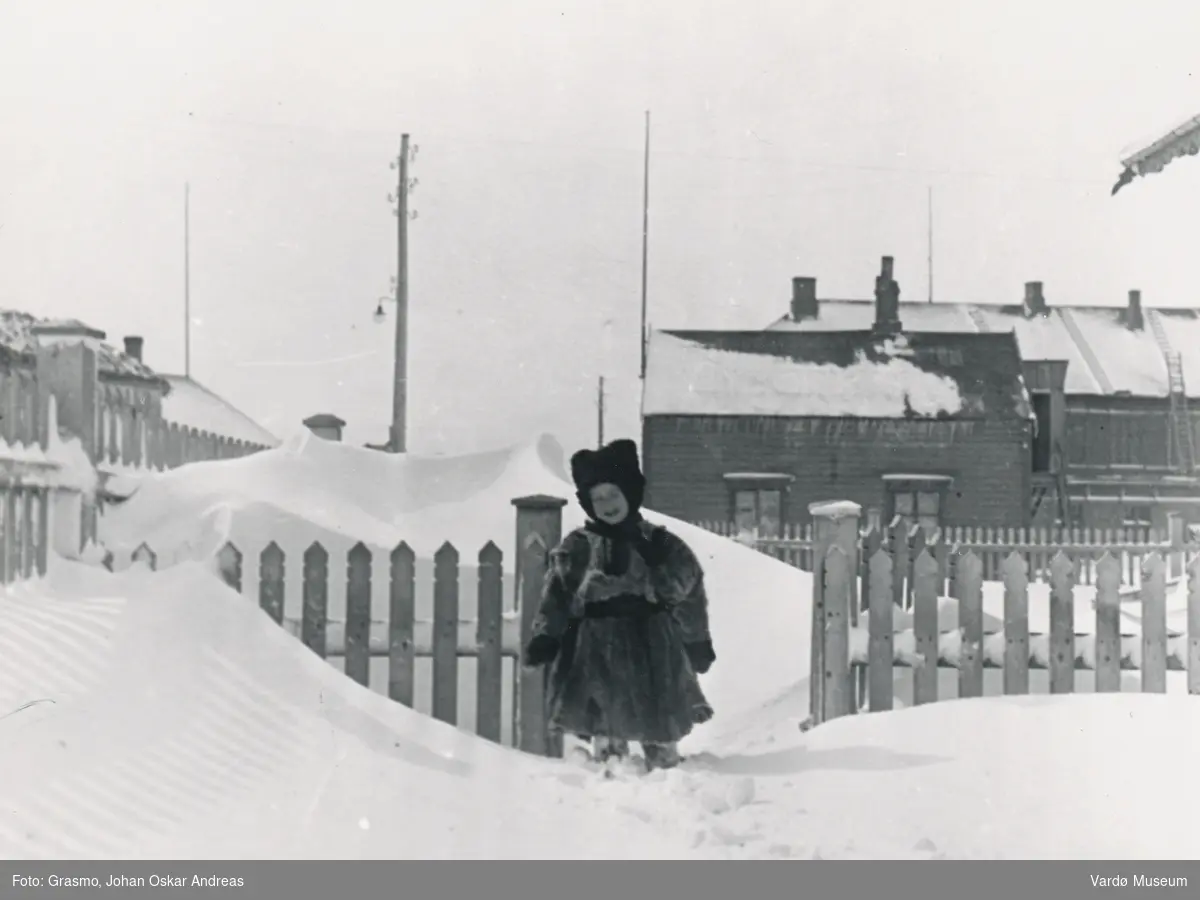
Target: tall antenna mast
[187,282]
[600,413]
[645,235]
[931,243]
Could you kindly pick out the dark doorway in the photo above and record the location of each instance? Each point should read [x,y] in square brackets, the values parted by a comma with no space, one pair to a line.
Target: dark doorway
[1042,447]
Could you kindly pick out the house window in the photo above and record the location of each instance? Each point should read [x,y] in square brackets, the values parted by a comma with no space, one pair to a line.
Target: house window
[916,500]
[758,501]
[1042,445]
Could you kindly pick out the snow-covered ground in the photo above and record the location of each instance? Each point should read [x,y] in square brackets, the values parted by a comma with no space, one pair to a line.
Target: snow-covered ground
[161,715]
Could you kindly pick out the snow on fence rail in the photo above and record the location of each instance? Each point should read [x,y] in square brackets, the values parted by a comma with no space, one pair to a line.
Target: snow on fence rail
[127,436]
[24,530]
[1037,546]
[854,661]
[490,638]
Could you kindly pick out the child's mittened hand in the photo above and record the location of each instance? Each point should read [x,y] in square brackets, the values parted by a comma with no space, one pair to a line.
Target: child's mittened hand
[541,650]
[653,549]
[701,655]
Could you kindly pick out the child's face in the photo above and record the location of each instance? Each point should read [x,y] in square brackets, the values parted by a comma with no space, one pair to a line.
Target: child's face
[609,504]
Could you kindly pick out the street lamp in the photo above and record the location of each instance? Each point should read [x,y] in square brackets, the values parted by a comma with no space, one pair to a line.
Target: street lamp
[379,316]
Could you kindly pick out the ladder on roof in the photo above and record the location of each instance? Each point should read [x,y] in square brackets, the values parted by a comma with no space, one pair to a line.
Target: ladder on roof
[1182,438]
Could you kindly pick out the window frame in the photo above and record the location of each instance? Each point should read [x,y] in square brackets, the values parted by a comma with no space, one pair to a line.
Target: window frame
[913,485]
[759,483]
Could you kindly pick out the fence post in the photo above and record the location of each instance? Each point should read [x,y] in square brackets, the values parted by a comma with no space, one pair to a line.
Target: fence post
[835,523]
[539,530]
[67,370]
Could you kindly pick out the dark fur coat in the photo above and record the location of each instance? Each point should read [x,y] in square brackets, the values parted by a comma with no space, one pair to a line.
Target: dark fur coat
[627,674]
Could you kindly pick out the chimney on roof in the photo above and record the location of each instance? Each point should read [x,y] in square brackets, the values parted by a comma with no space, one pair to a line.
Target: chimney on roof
[887,300]
[804,298]
[133,347]
[1035,300]
[1134,319]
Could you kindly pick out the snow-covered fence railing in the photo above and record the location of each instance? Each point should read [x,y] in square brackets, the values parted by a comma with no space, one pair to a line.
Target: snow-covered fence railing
[494,635]
[1131,546]
[130,433]
[846,648]
[24,529]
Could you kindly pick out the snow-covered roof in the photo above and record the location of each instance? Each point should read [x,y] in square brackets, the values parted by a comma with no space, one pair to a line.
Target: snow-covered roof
[1154,155]
[833,374]
[1103,355]
[18,341]
[195,406]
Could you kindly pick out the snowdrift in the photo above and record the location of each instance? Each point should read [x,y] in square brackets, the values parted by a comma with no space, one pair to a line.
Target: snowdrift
[159,716]
[1098,776]
[310,489]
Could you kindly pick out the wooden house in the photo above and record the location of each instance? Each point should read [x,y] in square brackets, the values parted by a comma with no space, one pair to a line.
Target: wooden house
[1114,390]
[935,426]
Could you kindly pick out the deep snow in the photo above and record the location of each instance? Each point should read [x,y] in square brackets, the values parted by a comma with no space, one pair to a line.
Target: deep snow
[160,715]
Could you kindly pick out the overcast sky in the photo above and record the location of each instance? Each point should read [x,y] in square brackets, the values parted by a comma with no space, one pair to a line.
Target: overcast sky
[789,138]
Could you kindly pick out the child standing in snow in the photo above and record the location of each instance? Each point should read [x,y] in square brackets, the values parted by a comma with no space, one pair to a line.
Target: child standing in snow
[623,622]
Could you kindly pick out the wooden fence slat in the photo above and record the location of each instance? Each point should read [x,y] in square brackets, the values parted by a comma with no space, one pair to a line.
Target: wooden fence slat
[925,629]
[229,564]
[1014,573]
[489,631]
[1062,625]
[401,613]
[838,693]
[1193,618]
[147,557]
[1108,624]
[1154,625]
[916,546]
[901,568]
[271,580]
[315,611]
[11,543]
[358,614]
[445,634]
[881,632]
[28,532]
[43,540]
[968,589]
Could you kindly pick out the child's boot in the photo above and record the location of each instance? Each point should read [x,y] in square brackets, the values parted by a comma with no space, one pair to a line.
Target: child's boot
[661,756]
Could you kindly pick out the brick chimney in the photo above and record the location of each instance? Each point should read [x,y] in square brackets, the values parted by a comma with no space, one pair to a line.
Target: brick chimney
[804,299]
[1035,300]
[887,300]
[325,425]
[1135,320]
[133,346]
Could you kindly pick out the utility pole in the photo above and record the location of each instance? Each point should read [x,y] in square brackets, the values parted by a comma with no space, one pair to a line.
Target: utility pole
[930,243]
[399,437]
[645,235]
[187,282]
[600,413]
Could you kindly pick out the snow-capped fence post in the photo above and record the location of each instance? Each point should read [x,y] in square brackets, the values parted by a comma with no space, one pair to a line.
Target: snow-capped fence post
[539,529]
[834,604]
